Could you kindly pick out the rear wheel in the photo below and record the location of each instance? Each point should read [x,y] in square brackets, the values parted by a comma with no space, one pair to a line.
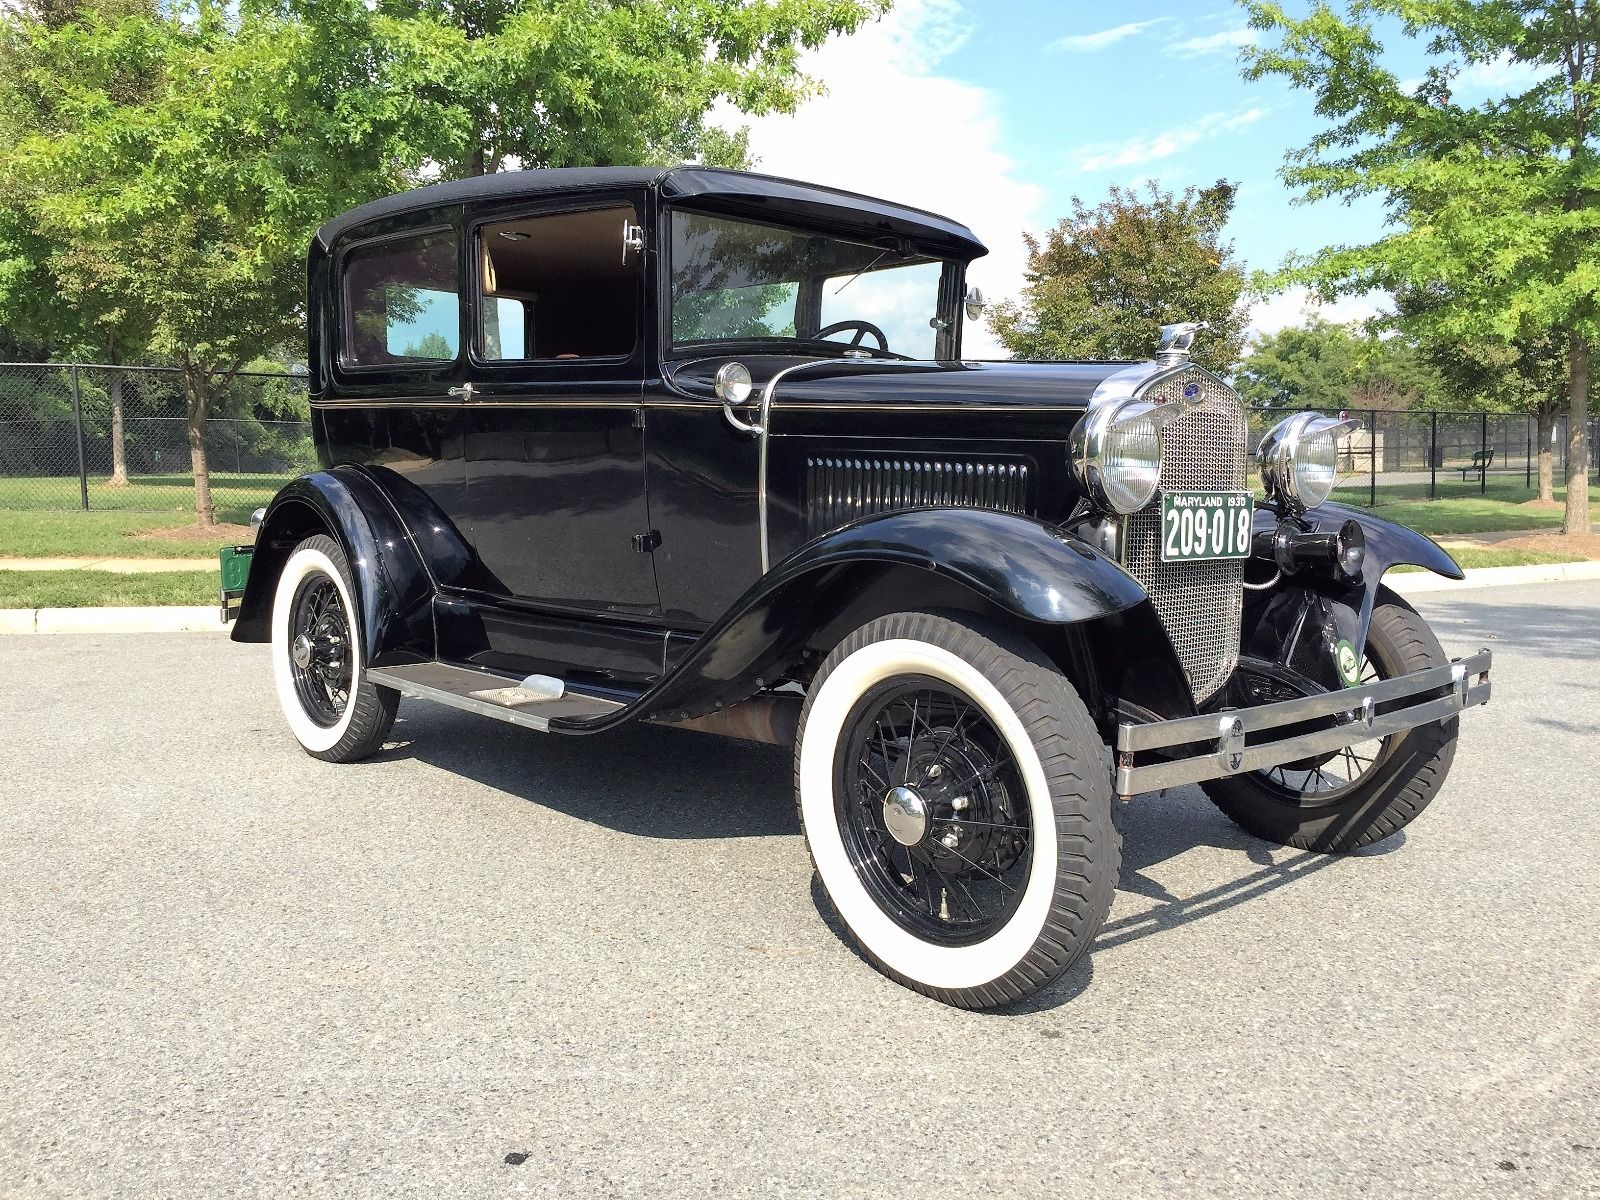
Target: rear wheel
[1368,791]
[334,711]
[956,804]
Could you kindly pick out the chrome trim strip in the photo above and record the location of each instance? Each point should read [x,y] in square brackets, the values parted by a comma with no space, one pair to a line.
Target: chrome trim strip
[764,432]
[1465,683]
[853,406]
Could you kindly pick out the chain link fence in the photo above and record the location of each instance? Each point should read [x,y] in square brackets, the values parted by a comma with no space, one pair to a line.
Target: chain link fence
[1399,457]
[58,432]
[60,426]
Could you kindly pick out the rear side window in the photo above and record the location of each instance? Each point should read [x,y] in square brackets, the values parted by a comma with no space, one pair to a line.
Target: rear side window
[402,301]
[559,286]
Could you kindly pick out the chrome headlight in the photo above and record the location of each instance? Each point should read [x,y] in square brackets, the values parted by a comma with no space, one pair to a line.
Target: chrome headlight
[1299,459]
[1116,453]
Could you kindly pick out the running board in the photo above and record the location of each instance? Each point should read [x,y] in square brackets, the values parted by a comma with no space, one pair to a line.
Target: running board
[531,702]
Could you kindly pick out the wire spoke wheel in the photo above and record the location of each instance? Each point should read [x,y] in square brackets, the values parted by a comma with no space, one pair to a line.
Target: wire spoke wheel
[932,810]
[1329,778]
[319,652]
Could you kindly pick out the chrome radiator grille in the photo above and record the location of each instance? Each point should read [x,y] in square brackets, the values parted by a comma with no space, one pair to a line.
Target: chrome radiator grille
[847,488]
[1200,603]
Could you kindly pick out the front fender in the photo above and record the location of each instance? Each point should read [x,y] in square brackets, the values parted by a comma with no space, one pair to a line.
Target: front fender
[997,565]
[393,591]
[1300,623]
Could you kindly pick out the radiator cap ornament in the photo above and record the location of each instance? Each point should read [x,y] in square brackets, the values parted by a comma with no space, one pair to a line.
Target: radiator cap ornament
[1176,342]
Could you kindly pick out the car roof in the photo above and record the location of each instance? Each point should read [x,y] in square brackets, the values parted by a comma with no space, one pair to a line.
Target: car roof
[746,192]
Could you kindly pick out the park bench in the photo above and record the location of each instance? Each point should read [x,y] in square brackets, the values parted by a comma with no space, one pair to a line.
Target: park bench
[1481,462]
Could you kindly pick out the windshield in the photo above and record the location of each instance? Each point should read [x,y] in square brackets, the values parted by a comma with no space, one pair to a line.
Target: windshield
[739,281]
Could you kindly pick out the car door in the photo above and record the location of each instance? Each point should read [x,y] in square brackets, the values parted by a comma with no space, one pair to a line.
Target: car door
[555,438]
[392,345]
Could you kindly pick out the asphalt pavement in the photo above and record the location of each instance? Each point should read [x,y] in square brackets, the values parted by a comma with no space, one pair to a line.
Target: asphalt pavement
[491,963]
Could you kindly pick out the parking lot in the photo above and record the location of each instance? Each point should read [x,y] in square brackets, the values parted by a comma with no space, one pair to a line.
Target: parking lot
[493,963]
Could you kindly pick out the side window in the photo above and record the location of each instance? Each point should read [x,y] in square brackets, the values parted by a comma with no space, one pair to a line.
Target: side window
[558,286]
[401,301]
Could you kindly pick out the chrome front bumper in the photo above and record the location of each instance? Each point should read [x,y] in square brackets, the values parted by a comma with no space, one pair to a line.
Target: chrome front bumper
[1163,754]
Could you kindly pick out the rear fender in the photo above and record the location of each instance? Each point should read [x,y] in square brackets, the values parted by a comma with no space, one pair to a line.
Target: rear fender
[1081,608]
[393,591]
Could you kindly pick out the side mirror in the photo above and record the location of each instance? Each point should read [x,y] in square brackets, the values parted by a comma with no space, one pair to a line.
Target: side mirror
[975,304]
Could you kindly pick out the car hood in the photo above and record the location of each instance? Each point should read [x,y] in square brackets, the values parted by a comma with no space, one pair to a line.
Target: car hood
[980,385]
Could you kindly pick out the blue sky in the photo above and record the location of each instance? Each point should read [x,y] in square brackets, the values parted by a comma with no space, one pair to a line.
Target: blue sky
[997,112]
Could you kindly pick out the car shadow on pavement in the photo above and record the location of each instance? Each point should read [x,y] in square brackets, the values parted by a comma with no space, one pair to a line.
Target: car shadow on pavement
[643,780]
[653,782]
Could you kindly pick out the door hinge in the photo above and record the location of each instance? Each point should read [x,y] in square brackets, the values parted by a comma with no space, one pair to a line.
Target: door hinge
[632,239]
[645,543]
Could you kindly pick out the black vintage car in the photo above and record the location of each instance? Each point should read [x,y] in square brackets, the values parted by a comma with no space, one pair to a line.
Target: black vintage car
[698,447]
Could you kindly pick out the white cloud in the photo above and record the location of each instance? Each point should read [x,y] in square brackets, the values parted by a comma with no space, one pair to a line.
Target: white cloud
[1501,76]
[1106,37]
[1296,306]
[1154,147]
[889,125]
[1213,43]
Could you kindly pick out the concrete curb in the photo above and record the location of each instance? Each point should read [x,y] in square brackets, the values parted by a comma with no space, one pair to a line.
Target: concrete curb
[1411,584]
[173,618]
[203,618]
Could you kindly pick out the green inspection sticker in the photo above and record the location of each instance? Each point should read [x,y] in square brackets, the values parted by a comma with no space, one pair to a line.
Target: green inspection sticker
[1345,656]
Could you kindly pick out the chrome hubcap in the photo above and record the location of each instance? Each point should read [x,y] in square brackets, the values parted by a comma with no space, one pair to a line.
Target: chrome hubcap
[300,651]
[905,815]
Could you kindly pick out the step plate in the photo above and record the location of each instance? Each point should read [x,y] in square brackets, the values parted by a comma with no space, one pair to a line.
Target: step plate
[498,696]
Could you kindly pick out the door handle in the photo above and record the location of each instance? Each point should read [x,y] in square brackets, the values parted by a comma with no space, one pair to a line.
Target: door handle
[464,391]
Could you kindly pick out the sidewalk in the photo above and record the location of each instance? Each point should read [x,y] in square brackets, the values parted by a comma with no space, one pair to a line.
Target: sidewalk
[118,566]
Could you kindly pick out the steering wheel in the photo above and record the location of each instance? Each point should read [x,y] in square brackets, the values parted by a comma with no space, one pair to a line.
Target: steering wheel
[861,327]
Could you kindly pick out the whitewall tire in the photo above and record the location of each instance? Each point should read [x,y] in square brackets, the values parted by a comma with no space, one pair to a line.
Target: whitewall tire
[956,804]
[318,664]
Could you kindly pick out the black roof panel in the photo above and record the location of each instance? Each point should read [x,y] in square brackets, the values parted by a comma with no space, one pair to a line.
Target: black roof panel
[720,187]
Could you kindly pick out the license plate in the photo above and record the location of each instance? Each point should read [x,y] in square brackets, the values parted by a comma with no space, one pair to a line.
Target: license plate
[1205,525]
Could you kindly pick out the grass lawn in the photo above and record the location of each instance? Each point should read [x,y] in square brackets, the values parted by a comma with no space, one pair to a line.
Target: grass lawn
[104,535]
[38,520]
[1470,557]
[144,493]
[93,589]
[1502,507]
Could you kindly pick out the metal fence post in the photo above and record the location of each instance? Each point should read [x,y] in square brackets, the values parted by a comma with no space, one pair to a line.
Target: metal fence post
[1433,455]
[1372,459]
[77,420]
[1483,448]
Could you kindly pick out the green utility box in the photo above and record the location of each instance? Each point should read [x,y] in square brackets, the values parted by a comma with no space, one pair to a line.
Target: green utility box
[235,563]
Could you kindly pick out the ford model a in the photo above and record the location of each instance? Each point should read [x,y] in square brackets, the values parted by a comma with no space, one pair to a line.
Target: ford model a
[698,447]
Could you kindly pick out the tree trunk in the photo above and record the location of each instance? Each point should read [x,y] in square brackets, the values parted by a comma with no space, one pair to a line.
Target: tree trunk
[197,386]
[119,449]
[1576,522]
[475,161]
[1546,428]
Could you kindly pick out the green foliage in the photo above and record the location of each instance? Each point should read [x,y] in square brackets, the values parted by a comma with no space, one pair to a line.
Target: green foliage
[162,170]
[1493,208]
[1323,365]
[1104,280]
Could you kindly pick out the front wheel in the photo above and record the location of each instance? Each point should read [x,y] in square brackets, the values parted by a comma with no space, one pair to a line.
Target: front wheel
[956,803]
[335,712]
[1368,791]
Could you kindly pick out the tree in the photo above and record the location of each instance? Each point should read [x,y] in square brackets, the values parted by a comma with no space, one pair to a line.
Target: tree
[1104,280]
[1324,365]
[195,200]
[1493,208]
[51,292]
[1524,375]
